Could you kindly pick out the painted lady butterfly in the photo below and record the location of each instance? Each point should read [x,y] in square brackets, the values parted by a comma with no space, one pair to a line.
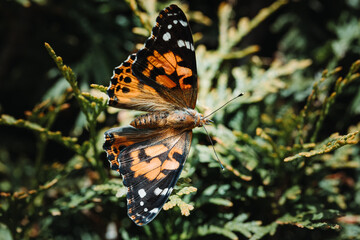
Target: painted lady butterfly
[160,79]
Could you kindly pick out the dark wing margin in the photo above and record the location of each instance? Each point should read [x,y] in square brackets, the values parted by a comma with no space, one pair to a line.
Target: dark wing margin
[150,170]
[167,61]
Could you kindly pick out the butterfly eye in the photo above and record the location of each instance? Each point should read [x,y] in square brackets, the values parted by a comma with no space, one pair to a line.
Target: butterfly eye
[206,121]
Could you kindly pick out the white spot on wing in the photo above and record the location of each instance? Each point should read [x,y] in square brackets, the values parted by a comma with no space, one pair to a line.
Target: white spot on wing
[180,43]
[145,209]
[157,191]
[184,23]
[192,47]
[164,192]
[154,210]
[166,36]
[187,43]
[142,193]
[169,26]
[175,21]
[141,203]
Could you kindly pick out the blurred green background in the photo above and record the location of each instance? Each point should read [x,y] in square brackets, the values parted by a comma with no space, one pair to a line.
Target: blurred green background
[55,181]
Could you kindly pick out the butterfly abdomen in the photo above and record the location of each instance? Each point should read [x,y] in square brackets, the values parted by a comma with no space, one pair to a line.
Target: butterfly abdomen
[184,119]
[150,120]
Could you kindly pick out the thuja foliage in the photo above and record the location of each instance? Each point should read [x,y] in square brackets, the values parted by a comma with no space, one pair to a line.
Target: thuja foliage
[288,173]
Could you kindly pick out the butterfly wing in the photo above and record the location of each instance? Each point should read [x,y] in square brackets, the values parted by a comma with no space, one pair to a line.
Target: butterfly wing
[150,170]
[161,76]
[167,61]
[117,139]
[128,92]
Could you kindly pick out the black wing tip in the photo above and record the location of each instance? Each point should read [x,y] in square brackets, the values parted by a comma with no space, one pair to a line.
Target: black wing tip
[142,220]
[173,8]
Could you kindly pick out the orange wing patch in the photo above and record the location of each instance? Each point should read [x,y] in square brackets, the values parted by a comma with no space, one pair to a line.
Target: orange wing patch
[166,61]
[150,169]
[184,72]
[165,81]
[169,62]
[172,163]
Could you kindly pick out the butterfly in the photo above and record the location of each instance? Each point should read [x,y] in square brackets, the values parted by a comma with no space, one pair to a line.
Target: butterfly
[160,79]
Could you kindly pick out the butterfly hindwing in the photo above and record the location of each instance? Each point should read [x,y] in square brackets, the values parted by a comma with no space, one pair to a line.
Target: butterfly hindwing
[150,170]
[167,61]
[117,139]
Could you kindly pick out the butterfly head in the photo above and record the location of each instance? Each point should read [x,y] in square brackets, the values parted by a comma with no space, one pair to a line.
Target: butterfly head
[199,119]
[205,120]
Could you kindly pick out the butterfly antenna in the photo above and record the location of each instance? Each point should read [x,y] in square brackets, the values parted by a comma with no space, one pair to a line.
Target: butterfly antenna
[212,144]
[225,104]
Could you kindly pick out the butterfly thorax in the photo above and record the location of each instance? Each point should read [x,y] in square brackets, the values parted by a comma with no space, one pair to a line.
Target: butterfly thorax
[185,119]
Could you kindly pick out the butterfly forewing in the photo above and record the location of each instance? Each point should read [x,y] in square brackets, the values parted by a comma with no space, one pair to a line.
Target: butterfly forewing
[167,60]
